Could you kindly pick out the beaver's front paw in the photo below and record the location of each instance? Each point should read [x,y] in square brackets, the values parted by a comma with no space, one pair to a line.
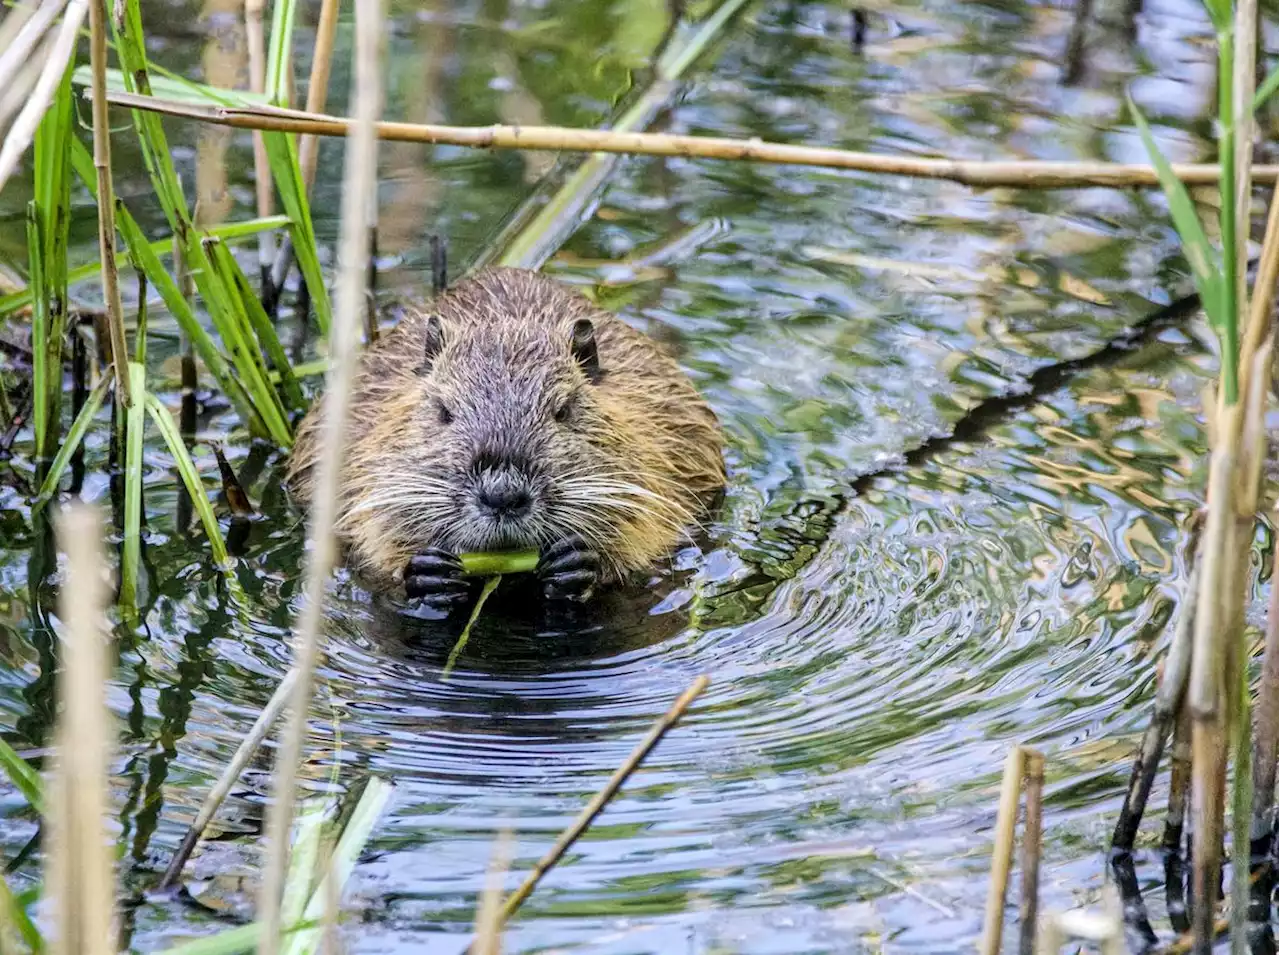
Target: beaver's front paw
[433,578]
[569,570]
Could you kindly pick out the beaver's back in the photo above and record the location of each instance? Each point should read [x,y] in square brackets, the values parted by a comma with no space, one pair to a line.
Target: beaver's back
[505,330]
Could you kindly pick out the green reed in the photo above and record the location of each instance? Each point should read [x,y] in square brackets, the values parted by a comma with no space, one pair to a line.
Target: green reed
[1220,710]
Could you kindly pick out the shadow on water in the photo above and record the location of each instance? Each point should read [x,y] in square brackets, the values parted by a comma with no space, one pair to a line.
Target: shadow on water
[965,452]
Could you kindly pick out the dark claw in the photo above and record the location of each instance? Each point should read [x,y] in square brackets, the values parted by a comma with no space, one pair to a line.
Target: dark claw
[434,578]
[569,570]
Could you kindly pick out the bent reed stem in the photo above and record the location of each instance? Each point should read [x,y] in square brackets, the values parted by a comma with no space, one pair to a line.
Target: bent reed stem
[1036,174]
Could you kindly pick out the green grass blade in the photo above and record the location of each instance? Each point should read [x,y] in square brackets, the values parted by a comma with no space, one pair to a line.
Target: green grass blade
[191,478]
[79,428]
[168,428]
[1266,90]
[180,309]
[373,801]
[1206,267]
[131,51]
[265,331]
[135,423]
[237,335]
[170,86]
[231,942]
[39,327]
[282,154]
[23,776]
[309,830]
[230,232]
[284,15]
[14,916]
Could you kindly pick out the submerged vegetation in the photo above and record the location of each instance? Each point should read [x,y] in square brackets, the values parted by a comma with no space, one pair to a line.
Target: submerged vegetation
[231,341]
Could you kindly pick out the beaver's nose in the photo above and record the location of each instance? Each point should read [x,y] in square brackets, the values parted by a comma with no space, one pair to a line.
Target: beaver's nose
[503,495]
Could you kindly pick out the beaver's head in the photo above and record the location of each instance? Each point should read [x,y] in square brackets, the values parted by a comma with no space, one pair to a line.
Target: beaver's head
[517,448]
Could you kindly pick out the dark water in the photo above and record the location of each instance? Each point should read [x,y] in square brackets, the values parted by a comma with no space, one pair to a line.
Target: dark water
[875,647]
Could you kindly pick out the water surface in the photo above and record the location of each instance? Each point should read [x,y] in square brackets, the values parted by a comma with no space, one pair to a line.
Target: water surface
[875,645]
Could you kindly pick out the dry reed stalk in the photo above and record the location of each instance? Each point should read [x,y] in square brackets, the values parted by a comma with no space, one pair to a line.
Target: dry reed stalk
[1244,55]
[318,85]
[239,760]
[489,914]
[1169,697]
[309,145]
[599,801]
[979,174]
[107,200]
[1264,292]
[1002,854]
[1033,780]
[23,130]
[360,182]
[256,37]
[81,882]
[1207,691]
[20,33]
[1179,781]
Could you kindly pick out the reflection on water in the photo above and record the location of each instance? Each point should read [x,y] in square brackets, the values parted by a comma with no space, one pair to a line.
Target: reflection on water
[876,643]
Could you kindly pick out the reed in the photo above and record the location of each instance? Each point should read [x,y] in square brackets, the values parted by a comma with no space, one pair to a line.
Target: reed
[1023,174]
[1002,854]
[79,866]
[359,208]
[1217,695]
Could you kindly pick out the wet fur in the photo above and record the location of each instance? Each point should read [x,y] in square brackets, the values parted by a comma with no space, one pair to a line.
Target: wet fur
[630,469]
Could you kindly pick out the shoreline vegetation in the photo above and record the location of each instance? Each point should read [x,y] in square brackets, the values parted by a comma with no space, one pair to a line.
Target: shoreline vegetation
[1204,709]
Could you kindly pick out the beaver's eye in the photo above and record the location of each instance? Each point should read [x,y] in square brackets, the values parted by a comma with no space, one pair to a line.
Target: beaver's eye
[565,411]
[443,414]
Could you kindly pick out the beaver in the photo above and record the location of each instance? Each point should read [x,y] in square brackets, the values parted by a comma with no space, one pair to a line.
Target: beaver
[511,412]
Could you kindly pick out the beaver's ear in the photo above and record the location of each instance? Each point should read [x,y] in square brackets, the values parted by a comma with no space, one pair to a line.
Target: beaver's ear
[583,345]
[433,342]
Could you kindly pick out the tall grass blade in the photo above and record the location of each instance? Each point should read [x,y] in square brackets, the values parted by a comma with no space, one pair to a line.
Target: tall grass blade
[284,15]
[39,328]
[262,327]
[79,428]
[23,776]
[373,801]
[145,255]
[168,428]
[1266,90]
[237,334]
[131,553]
[14,918]
[230,232]
[283,155]
[1206,266]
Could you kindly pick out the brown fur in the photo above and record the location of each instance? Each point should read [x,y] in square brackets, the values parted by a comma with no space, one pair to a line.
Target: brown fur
[504,369]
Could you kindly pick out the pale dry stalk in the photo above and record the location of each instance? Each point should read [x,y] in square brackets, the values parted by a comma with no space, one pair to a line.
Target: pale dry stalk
[359,187]
[255,35]
[23,130]
[1002,853]
[489,913]
[1034,174]
[80,878]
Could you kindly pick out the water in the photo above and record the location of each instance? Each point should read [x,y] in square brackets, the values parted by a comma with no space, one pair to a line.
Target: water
[875,645]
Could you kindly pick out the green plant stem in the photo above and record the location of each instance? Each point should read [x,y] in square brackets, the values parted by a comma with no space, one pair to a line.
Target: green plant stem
[190,478]
[23,776]
[135,423]
[79,428]
[1227,191]
[489,587]
[499,563]
[39,329]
